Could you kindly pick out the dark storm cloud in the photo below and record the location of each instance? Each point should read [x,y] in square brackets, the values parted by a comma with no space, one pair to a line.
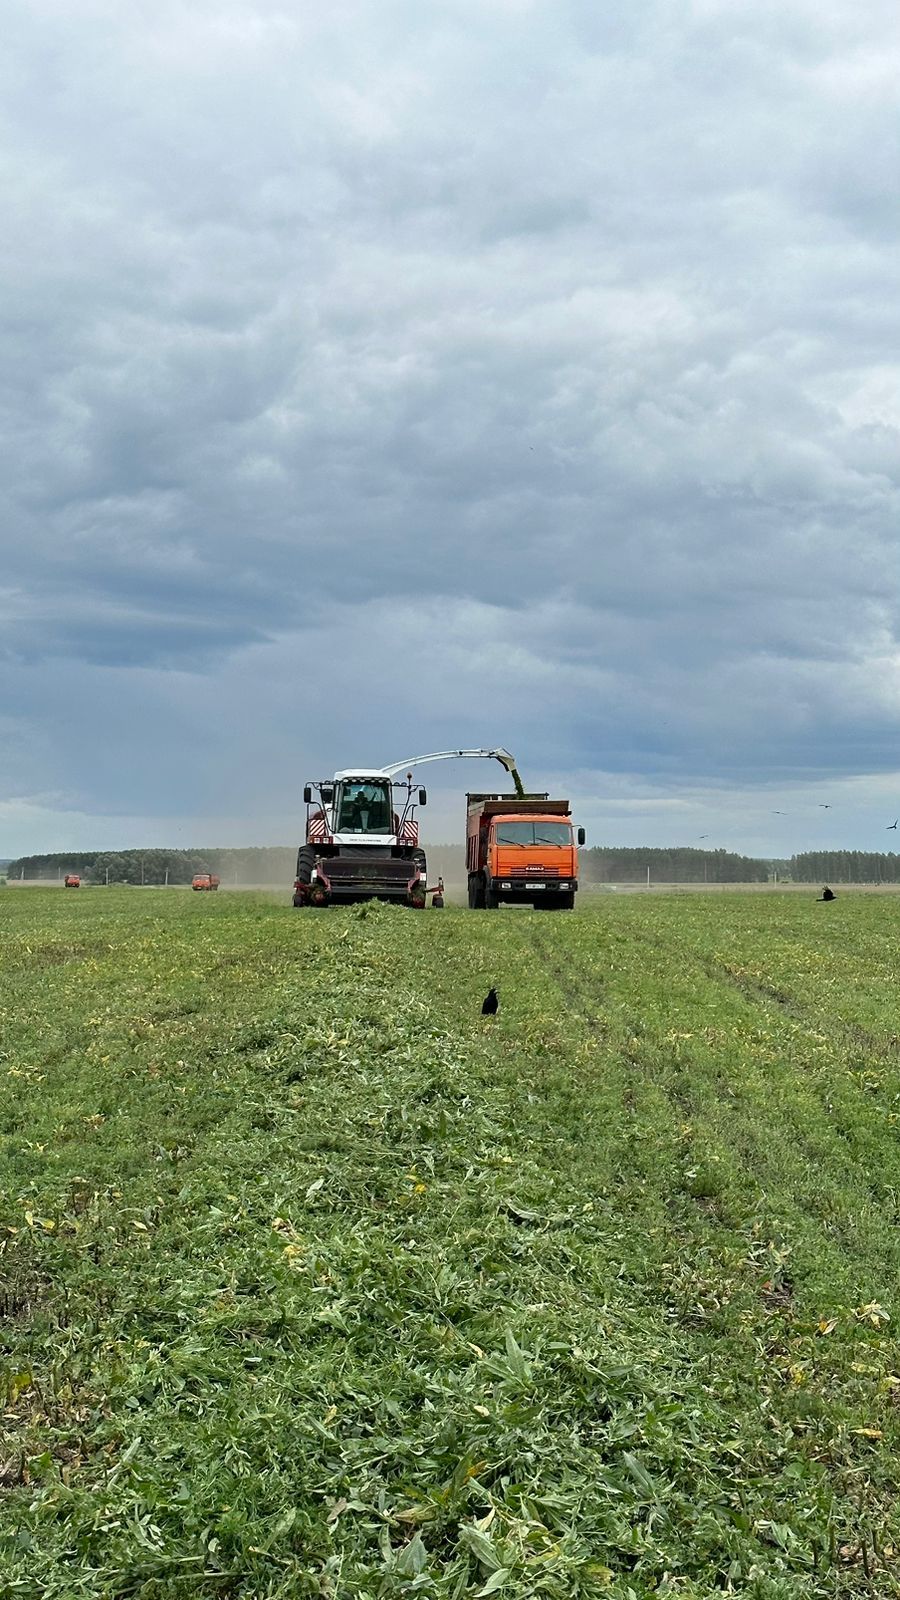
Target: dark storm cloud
[550,348]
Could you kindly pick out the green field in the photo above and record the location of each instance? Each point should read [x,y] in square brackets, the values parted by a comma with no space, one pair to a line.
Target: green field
[315,1283]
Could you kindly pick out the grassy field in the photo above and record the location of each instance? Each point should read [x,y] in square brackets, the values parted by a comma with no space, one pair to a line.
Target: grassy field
[314,1283]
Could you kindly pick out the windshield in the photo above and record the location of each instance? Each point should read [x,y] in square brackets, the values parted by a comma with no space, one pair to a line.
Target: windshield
[531,833]
[365,808]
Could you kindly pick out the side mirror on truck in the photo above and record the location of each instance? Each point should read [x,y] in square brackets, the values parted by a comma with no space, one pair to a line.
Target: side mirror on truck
[423,797]
[327,793]
[307,795]
[581,836]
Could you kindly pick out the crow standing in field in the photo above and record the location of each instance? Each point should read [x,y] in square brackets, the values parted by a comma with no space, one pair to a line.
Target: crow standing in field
[827,894]
[490,1004]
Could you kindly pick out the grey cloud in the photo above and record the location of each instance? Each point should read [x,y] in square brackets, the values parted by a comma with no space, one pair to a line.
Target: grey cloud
[548,345]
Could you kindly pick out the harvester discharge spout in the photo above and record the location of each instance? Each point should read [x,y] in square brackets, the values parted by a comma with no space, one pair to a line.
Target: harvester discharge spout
[507,761]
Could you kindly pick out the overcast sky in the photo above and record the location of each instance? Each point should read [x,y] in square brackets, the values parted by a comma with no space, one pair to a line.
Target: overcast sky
[383,376]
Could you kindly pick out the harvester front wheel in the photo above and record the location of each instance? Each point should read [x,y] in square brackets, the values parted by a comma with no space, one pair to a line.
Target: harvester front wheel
[306,860]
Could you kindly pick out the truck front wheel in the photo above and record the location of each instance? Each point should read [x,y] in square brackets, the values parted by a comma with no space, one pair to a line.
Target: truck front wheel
[556,902]
[491,897]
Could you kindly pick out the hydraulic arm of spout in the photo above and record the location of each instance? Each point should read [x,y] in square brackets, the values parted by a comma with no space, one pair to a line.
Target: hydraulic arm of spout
[503,756]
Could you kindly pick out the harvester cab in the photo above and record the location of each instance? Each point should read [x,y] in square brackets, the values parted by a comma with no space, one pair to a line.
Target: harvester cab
[362,835]
[362,840]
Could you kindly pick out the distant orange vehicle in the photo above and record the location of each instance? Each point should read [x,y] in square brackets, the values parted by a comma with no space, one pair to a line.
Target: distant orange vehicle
[521,850]
[71,881]
[204,880]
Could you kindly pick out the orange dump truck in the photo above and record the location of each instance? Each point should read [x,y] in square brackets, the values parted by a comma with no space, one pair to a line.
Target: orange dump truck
[71,881]
[204,880]
[521,850]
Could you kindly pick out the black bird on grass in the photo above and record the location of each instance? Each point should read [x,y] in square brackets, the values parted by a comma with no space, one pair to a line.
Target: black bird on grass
[490,1004]
[827,894]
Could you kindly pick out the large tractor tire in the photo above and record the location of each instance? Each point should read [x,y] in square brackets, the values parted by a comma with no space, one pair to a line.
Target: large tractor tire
[306,860]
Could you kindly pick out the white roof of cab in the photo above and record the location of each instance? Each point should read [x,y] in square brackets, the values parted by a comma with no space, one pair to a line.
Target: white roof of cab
[362,775]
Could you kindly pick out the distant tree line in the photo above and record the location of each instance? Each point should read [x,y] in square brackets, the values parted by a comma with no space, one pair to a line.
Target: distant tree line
[680,864]
[846,866]
[273,865]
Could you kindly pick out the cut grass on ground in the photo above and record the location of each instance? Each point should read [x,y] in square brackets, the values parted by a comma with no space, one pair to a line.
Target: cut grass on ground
[315,1283]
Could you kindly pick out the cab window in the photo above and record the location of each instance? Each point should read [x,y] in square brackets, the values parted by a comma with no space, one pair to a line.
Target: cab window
[534,833]
[365,808]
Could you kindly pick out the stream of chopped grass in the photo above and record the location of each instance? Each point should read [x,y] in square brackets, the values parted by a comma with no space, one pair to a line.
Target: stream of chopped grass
[315,1283]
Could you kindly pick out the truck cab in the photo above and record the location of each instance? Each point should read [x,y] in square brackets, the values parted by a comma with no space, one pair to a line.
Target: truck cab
[521,851]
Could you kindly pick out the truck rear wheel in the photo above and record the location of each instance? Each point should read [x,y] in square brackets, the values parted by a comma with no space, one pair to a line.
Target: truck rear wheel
[476,892]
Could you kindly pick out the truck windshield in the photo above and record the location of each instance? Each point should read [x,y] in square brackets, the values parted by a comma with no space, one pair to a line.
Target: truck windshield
[365,808]
[534,833]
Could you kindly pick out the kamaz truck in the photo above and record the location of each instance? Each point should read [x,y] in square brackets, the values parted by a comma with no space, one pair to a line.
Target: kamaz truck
[521,850]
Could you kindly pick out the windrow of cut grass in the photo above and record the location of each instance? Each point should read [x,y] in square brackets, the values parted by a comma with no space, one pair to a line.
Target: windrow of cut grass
[314,1282]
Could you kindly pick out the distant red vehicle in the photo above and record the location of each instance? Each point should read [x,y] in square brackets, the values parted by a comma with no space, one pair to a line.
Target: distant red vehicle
[204,880]
[71,881]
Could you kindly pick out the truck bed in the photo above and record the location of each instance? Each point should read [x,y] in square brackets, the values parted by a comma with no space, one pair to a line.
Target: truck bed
[501,805]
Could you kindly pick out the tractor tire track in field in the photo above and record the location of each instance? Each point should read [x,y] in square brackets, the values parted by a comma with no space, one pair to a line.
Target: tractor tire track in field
[578,994]
[777,1002]
[583,996]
